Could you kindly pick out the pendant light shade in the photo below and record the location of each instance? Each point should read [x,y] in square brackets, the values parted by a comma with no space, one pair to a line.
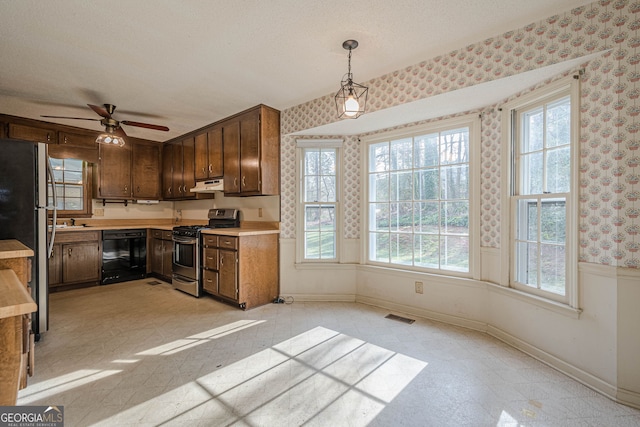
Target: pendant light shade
[351,99]
[110,137]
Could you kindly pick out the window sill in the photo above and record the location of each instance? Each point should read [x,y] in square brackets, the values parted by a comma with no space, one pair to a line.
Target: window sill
[323,266]
[556,307]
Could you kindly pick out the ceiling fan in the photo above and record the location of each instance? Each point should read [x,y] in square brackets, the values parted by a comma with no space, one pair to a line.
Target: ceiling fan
[114,134]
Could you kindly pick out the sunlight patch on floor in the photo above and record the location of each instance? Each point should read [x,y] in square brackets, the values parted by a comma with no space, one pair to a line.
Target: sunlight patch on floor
[45,389]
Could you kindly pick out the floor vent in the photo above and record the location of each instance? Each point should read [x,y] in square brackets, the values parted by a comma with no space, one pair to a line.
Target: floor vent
[153,282]
[399,318]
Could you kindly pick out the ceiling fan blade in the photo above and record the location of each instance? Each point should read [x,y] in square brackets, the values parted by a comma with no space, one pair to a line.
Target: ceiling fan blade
[144,125]
[120,132]
[72,118]
[101,111]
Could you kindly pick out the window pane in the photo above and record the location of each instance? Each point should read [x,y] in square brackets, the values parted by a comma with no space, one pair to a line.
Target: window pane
[327,189]
[73,165]
[401,215]
[454,253]
[312,218]
[401,154]
[58,175]
[533,130]
[531,172]
[379,246]
[73,177]
[312,245]
[455,218]
[328,162]
[379,157]
[559,123]
[311,189]
[379,217]
[311,162]
[427,250]
[559,170]
[454,146]
[454,182]
[401,188]
[56,163]
[527,223]
[426,150]
[552,268]
[327,245]
[327,218]
[72,204]
[73,191]
[527,262]
[553,220]
[379,187]
[427,217]
[401,248]
[426,184]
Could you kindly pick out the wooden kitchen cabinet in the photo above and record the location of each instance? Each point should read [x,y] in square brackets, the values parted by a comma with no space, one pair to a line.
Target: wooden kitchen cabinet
[129,172]
[78,139]
[35,133]
[208,154]
[242,270]
[145,171]
[178,169]
[161,254]
[76,259]
[251,146]
[114,172]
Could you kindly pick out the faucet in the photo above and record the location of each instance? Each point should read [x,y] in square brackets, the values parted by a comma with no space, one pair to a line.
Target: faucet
[73,221]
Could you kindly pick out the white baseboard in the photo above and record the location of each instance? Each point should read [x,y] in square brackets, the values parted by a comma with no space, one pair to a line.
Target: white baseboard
[568,369]
[321,297]
[427,314]
[630,398]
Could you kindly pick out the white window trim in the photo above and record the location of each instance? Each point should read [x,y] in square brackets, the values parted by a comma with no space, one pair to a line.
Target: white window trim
[318,143]
[506,231]
[474,123]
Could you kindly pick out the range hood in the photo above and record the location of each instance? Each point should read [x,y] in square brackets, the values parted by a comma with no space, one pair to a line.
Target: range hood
[208,186]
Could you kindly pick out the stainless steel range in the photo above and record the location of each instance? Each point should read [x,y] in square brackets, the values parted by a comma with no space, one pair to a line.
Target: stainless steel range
[187,253]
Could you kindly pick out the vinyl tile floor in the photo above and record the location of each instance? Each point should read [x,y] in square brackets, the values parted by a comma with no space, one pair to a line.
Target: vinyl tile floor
[138,354]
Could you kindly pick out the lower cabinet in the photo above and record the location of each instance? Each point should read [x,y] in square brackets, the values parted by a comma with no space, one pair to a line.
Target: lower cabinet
[161,254]
[242,270]
[76,259]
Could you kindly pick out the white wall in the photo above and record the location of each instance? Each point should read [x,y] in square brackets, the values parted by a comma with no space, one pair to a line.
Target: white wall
[160,210]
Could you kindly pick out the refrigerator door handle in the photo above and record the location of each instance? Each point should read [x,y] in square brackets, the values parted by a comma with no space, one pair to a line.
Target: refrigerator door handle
[54,208]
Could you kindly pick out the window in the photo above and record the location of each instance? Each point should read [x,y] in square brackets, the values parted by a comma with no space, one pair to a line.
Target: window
[70,177]
[319,205]
[541,196]
[420,196]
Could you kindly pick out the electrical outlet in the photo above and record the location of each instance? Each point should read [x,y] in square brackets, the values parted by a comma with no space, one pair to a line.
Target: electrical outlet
[259,212]
[419,288]
[98,212]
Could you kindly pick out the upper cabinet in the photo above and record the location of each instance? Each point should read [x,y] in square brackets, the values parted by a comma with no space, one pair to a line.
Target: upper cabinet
[251,146]
[208,154]
[178,169]
[129,172]
[35,133]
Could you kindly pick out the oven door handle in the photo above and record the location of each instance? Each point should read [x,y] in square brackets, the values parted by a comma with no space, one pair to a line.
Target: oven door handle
[187,240]
[181,281]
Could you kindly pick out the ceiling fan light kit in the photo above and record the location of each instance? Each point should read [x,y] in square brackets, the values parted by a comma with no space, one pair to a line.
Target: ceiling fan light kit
[351,99]
[114,134]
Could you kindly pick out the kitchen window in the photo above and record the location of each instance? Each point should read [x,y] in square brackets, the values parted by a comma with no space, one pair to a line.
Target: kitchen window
[319,210]
[71,181]
[421,198]
[542,201]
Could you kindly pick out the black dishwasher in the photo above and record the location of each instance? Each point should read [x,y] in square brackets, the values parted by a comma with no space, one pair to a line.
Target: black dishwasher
[124,255]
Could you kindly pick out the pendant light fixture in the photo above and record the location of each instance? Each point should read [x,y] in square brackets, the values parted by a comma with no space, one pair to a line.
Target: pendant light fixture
[110,137]
[351,99]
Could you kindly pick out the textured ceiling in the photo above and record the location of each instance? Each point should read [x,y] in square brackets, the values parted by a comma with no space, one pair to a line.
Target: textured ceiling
[188,63]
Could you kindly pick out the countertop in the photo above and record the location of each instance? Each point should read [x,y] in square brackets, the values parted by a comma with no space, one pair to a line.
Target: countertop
[14,249]
[249,229]
[14,298]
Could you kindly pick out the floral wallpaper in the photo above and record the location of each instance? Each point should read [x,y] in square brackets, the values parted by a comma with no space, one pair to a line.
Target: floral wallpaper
[609,190]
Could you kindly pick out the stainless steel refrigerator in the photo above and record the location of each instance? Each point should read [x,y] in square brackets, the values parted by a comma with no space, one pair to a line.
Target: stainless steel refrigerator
[24,173]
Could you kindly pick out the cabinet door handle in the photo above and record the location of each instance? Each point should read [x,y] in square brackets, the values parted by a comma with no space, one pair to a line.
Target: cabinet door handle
[210,168]
[48,137]
[70,251]
[169,190]
[221,261]
[138,189]
[65,139]
[243,182]
[235,182]
[203,170]
[125,189]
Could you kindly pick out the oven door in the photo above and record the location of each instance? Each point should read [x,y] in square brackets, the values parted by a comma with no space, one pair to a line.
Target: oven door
[185,257]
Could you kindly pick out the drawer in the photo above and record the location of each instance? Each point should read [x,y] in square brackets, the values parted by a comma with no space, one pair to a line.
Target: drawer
[209,240]
[228,242]
[167,235]
[156,234]
[210,258]
[210,281]
[77,236]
